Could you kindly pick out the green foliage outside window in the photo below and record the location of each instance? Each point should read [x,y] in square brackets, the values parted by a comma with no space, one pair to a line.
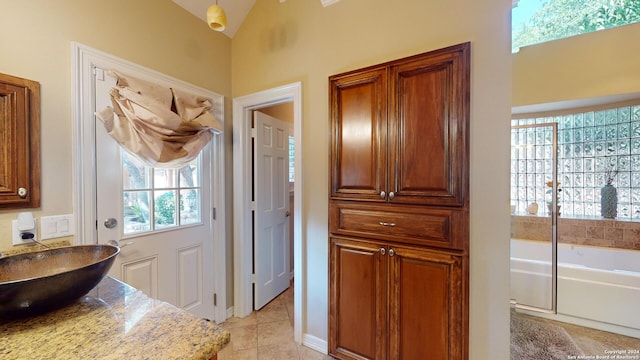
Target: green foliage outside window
[165,209]
[563,18]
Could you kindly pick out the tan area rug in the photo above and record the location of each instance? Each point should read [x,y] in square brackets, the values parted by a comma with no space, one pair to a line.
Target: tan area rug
[533,339]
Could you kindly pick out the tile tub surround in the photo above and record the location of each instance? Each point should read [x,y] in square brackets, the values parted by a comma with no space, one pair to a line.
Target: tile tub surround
[591,232]
[114,321]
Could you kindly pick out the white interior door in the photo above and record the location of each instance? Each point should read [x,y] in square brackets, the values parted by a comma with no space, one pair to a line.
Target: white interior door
[271,189]
[160,217]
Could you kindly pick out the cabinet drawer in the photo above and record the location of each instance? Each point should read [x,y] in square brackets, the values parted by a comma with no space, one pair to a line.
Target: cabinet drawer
[414,225]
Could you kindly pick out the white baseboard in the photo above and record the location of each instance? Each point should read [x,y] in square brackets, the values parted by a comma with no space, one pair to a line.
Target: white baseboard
[315,343]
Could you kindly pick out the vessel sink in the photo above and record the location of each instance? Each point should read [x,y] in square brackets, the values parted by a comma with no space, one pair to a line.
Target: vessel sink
[37,282]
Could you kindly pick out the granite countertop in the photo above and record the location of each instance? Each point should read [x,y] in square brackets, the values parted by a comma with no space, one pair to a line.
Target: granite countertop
[113,321]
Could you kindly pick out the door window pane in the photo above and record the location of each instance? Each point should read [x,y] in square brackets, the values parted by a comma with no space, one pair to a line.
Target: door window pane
[164,178]
[135,175]
[137,217]
[159,198]
[164,209]
[190,175]
[189,206]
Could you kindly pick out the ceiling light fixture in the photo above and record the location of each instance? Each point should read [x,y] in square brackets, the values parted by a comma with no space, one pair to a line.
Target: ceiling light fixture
[216,18]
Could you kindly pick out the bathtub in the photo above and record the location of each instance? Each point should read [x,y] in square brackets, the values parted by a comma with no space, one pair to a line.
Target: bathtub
[599,285]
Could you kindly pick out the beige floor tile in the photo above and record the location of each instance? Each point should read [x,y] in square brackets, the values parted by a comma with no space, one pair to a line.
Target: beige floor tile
[310,354]
[273,312]
[226,353]
[246,354]
[279,351]
[267,334]
[243,337]
[274,333]
[240,322]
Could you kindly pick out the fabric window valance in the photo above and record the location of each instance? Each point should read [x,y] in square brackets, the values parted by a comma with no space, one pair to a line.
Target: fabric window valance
[164,127]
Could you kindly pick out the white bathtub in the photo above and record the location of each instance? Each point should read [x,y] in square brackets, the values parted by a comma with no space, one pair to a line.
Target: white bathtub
[594,283]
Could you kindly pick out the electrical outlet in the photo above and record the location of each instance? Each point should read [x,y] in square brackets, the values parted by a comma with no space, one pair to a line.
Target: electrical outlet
[16,234]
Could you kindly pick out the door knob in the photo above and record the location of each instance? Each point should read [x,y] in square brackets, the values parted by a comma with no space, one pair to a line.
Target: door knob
[110,223]
[287,213]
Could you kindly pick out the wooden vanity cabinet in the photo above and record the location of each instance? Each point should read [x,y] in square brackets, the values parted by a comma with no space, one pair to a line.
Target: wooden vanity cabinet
[399,130]
[19,143]
[395,301]
[399,209]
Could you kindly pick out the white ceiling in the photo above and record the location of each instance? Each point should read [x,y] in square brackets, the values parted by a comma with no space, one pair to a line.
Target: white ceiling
[236,10]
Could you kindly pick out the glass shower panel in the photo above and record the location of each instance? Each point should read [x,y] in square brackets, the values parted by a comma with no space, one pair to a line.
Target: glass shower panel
[534,212]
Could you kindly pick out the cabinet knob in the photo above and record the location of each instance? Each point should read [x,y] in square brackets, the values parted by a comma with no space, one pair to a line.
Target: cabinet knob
[391,252]
[391,195]
[383,194]
[22,192]
[383,251]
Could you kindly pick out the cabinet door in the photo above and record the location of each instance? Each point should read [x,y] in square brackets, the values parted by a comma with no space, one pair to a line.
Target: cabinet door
[19,143]
[428,121]
[426,304]
[357,299]
[358,140]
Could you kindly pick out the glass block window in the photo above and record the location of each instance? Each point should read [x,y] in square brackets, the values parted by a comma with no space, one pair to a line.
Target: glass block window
[531,165]
[590,143]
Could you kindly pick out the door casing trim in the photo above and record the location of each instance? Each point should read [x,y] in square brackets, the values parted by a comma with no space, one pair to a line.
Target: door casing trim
[242,243]
[85,59]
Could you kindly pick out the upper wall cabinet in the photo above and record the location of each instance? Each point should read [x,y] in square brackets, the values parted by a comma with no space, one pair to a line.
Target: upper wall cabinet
[19,143]
[399,130]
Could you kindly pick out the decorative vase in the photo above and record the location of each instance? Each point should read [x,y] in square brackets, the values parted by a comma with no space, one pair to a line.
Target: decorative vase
[550,208]
[609,201]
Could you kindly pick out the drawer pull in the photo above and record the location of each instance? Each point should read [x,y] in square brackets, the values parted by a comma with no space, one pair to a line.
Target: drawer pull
[391,252]
[383,251]
[387,224]
[383,195]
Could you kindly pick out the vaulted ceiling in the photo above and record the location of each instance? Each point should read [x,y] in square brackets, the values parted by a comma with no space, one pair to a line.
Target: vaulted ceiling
[236,10]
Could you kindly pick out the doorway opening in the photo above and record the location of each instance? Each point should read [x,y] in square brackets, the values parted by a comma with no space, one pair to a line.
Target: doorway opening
[243,108]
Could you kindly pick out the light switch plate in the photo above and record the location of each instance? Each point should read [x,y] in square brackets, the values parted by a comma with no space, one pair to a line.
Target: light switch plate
[56,226]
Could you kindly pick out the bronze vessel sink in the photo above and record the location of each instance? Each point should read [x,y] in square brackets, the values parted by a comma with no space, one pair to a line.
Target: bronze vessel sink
[38,282]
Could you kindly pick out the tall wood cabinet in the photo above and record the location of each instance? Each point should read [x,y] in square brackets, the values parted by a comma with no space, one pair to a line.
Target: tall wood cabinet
[399,208]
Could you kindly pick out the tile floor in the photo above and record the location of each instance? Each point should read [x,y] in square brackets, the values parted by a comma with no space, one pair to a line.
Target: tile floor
[267,334]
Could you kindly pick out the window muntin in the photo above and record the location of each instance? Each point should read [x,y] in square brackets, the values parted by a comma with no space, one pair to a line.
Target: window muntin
[589,143]
[174,195]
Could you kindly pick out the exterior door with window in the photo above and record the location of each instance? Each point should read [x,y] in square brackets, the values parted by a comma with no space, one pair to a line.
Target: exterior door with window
[161,219]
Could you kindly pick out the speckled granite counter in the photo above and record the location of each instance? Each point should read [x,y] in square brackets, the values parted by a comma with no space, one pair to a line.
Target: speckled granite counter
[113,321]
